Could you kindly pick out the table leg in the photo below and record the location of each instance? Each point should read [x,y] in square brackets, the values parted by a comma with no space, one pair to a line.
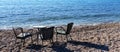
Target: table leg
[37,38]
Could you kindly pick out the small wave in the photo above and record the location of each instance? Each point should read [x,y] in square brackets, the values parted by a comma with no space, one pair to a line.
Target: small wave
[2,16]
[59,18]
[34,19]
[21,14]
[99,15]
[48,18]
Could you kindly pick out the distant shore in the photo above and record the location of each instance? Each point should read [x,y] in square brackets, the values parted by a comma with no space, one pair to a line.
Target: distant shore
[107,34]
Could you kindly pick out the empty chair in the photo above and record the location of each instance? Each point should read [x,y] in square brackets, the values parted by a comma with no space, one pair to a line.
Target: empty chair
[19,34]
[46,33]
[62,31]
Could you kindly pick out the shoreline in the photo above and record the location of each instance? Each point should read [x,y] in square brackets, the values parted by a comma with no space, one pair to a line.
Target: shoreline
[30,27]
[107,34]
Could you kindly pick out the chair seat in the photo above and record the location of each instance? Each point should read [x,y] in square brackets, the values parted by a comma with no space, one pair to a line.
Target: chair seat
[23,35]
[61,32]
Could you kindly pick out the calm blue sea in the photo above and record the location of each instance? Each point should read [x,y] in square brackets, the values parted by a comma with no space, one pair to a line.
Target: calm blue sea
[28,13]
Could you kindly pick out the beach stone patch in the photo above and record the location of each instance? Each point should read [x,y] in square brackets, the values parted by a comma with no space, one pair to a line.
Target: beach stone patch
[98,38]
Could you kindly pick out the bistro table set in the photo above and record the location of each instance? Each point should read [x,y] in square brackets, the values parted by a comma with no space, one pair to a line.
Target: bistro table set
[42,33]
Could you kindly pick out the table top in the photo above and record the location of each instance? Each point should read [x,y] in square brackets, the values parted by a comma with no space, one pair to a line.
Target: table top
[39,26]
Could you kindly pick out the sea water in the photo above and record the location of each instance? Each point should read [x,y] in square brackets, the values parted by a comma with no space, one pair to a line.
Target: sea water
[28,13]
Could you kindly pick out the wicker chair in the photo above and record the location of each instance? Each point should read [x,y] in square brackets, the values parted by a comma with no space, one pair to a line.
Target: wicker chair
[62,31]
[19,34]
[46,34]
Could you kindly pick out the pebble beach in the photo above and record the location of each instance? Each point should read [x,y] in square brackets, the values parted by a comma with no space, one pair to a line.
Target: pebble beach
[86,38]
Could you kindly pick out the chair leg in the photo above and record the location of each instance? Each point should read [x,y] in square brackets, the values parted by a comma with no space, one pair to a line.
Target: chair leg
[37,38]
[51,41]
[67,37]
[42,42]
[78,35]
[19,48]
[15,40]
[61,37]
[23,42]
[31,40]
[56,37]
[70,37]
